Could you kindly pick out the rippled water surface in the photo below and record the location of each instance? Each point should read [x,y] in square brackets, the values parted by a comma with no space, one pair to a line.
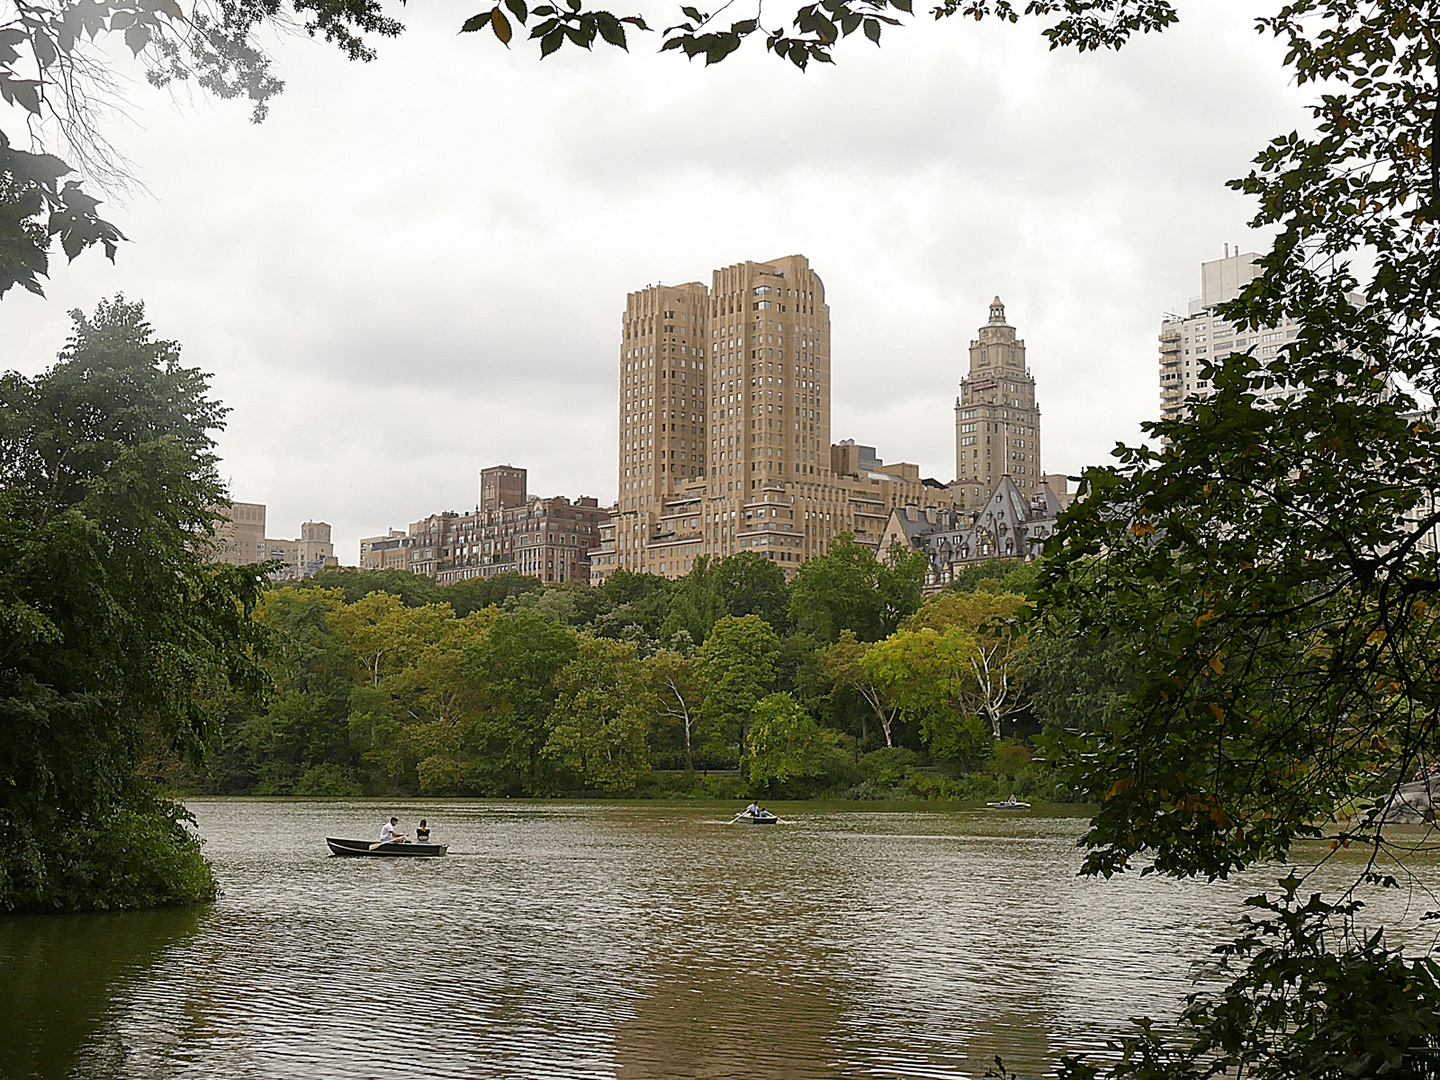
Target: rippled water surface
[612,941]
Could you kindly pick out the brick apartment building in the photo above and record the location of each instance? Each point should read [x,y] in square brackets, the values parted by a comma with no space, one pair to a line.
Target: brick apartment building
[509,531]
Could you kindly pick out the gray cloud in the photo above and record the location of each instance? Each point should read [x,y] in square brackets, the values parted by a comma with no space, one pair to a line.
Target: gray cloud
[416,267]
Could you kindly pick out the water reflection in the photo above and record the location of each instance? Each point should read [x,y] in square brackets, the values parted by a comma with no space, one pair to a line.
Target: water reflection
[622,941]
[60,977]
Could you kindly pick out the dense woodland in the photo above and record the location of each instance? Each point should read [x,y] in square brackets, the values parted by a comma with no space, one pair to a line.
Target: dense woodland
[727,682]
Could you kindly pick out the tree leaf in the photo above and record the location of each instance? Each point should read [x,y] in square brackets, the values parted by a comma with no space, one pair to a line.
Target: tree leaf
[137,37]
[44,49]
[501,26]
[22,92]
[611,30]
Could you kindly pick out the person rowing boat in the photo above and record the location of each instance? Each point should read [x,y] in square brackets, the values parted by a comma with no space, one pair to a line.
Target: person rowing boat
[756,814]
[390,835]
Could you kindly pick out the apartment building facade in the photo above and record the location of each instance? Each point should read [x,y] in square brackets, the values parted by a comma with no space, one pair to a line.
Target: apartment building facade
[240,540]
[724,419]
[997,419]
[1188,341]
[509,531]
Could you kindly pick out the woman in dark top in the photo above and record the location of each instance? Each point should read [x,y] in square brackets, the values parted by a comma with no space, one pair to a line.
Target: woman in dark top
[422,833]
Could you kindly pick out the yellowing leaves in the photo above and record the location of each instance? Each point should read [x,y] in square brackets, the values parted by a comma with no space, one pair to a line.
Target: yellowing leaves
[501,25]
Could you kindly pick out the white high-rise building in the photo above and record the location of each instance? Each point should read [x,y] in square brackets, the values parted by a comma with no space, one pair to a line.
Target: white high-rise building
[1187,341]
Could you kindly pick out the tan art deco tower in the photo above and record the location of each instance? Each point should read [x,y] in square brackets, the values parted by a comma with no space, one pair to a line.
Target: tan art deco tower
[997,422]
[770,383]
[724,419]
[725,429]
[662,393]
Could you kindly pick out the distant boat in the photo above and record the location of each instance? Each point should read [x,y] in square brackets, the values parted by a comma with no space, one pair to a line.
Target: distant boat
[370,847]
[762,818]
[1011,803]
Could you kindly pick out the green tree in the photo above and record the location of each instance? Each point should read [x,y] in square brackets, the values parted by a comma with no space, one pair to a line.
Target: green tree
[412,590]
[989,574]
[1268,554]
[737,669]
[678,690]
[785,747]
[850,589]
[516,666]
[844,665]
[384,635]
[631,605]
[440,711]
[387,641]
[990,619]
[741,584]
[929,676]
[114,630]
[305,724]
[474,594]
[1074,681]
[747,584]
[602,717]
[568,602]
[695,603]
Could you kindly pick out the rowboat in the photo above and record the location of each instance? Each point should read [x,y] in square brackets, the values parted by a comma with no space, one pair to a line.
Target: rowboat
[370,847]
[756,819]
[1011,803]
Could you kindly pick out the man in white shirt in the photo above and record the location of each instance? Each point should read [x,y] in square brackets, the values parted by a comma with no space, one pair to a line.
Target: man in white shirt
[388,834]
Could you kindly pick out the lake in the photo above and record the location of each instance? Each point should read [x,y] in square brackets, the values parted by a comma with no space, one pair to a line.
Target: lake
[630,940]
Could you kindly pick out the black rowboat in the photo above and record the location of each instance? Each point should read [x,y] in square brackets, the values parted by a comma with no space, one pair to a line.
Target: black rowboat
[761,819]
[370,847]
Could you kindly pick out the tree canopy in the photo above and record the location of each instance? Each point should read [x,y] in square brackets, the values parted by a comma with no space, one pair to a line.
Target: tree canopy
[1270,560]
[117,636]
[849,588]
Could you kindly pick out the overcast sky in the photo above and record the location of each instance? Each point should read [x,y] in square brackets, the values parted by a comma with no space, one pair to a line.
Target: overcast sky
[416,267]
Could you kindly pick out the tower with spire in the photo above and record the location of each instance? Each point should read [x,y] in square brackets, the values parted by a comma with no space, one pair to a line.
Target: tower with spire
[997,421]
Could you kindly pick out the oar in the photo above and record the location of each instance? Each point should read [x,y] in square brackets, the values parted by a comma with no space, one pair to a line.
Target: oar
[382,843]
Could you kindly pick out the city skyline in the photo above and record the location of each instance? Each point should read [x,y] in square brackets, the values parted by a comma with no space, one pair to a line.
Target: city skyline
[383,325]
[724,426]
